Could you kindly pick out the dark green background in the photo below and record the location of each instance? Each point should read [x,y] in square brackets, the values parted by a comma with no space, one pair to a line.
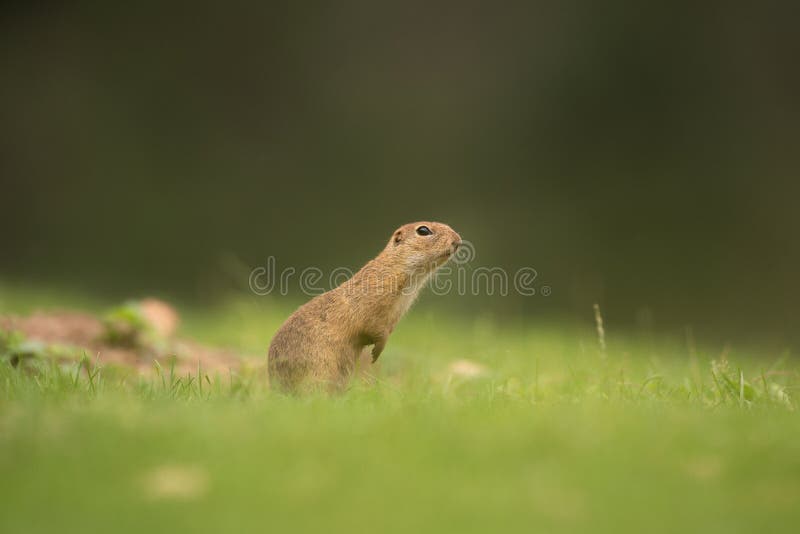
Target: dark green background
[639,154]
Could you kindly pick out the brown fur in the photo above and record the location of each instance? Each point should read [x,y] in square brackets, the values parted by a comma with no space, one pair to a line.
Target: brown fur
[319,344]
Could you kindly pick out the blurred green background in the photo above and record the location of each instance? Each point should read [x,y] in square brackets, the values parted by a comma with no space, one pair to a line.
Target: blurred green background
[643,155]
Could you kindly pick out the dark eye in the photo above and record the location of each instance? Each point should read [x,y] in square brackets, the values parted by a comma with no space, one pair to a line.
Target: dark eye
[424,230]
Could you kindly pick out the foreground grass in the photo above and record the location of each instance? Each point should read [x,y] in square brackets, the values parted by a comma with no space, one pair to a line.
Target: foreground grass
[553,435]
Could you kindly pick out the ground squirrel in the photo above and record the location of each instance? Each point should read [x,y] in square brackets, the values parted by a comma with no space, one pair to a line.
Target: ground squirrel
[319,344]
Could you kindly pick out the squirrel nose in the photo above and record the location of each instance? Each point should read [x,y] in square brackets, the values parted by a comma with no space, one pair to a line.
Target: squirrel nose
[456,244]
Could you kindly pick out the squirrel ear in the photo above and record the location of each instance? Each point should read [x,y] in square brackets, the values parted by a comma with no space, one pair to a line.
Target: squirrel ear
[398,237]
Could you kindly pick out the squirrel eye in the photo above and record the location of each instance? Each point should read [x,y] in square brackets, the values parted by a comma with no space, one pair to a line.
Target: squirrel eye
[424,230]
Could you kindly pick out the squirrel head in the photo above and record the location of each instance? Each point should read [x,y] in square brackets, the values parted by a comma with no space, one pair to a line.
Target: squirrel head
[423,246]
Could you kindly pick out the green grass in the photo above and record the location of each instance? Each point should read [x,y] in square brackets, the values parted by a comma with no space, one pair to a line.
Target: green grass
[649,437]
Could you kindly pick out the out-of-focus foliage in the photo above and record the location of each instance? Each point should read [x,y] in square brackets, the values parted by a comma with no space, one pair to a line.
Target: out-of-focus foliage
[642,155]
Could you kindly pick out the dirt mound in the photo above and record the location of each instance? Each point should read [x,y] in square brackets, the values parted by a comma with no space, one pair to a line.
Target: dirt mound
[136,335]
[66,328]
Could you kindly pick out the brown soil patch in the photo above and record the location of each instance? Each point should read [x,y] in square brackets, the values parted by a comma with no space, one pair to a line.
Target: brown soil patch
[80,333]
